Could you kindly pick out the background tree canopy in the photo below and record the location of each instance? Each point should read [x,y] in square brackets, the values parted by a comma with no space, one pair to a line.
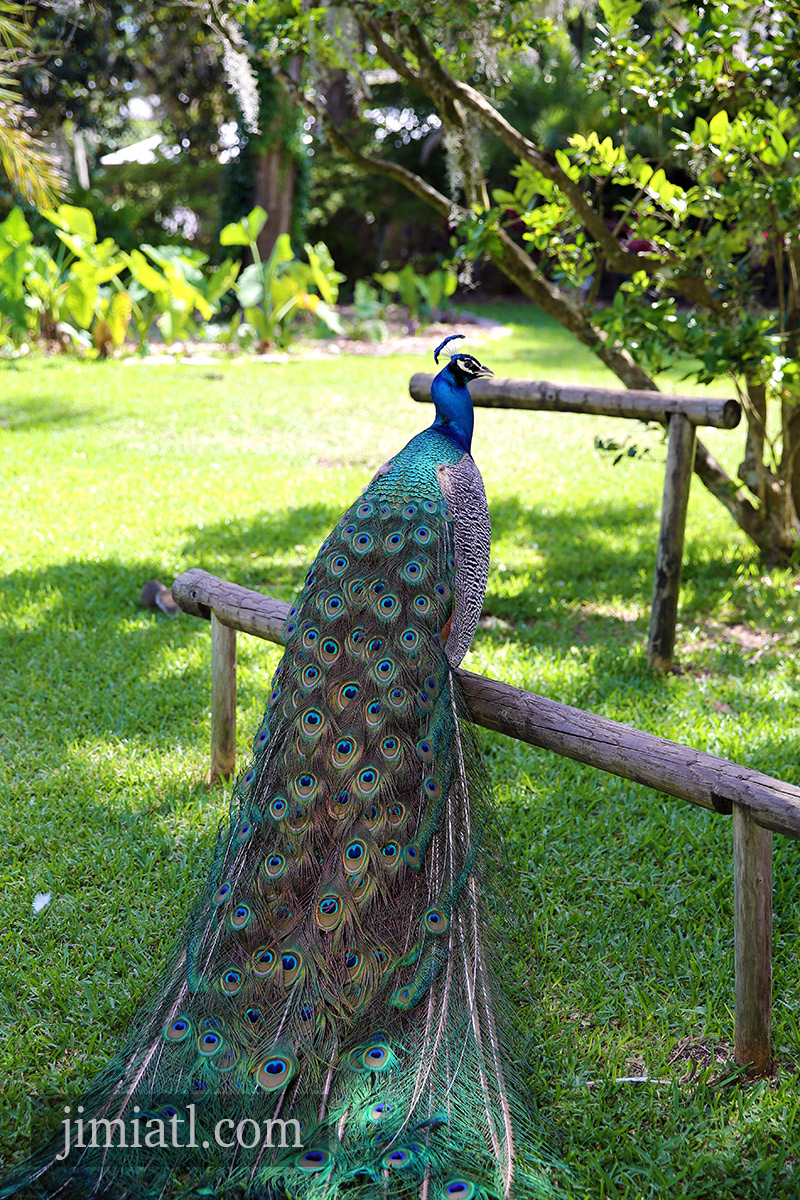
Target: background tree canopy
[632,167]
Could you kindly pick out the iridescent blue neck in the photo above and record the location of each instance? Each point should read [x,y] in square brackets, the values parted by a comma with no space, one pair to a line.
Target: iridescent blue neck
[454,414]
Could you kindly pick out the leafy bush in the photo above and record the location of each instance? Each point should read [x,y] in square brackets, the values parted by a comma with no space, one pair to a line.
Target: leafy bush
[368,319]
[272,293]
[422,295]
[89,292]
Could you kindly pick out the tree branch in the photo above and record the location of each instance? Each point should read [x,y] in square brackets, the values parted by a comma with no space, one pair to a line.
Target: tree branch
[437,82]
[367,162]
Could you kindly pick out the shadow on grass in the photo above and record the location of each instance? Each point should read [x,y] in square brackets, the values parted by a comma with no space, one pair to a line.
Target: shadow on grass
[253,552]
[42,411]
[595,555]
[82,660]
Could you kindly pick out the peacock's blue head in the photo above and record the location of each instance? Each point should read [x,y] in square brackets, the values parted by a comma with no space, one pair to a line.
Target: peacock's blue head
[450,395]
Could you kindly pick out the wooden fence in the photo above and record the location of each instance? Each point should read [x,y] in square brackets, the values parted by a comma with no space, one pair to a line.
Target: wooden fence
[758,803]
[681,414]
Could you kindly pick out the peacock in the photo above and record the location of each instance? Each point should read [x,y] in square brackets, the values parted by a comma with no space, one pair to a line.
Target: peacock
[329,1026]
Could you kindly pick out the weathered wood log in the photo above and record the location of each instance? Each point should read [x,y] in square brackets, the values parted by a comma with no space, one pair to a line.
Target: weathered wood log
[594,401]
[669,557]
[198,593]
[223,700]
[668,767]
[752,925]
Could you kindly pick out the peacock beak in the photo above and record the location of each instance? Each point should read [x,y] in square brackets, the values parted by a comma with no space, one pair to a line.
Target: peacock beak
[484,373]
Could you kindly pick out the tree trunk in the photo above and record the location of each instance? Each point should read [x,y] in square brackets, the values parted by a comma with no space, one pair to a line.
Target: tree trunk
[275,156]
[790,406]
[274,191]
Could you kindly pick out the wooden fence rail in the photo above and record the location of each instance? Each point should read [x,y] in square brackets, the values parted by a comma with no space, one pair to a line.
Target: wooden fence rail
[681,415]
[759,803]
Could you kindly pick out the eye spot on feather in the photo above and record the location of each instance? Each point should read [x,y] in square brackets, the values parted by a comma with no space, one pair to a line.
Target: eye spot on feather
[310,677]
[334,606]
[361,888]
[264,962]
[178,1030]
[244,832]
[275,866]
[305,786]
[367,782]
[396,814]
[412,856]
[409,639]
[390,854]
[274,1074]
[312,1161]
[391,749]
[329,913]
[240,917]
[338,806]
[432,789]
[329,651]
[231,982]
[388,606]
[424,750]
[344,752]
[312,723]
[209,1044]
[385,670]
[435,921]
[396,1159]
[355,857]
[374,646]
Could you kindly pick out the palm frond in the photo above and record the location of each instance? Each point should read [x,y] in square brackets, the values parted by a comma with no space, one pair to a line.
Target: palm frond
[31,170]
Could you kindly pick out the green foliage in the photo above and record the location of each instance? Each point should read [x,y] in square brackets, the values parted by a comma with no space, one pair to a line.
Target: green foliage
[719,202]
[271,293]
[368,316]
[78,297]
[15,240]
[422,295]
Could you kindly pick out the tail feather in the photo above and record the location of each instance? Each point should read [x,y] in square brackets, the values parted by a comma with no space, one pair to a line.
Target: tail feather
[336,971]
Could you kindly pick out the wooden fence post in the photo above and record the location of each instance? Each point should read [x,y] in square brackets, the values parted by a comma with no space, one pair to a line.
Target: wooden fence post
[223,700]
[669,559]
[752,931]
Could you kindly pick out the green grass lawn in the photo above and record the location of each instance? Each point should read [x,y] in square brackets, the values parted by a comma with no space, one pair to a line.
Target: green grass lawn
[616,935]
